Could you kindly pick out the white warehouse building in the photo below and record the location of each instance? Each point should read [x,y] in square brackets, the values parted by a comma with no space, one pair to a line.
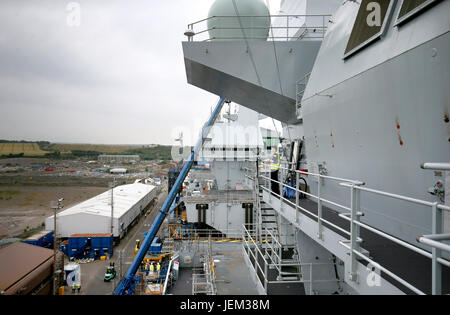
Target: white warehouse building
[93,216]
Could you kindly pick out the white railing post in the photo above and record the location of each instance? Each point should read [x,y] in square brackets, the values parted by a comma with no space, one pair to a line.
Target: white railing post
[287,28]
[266,255]
[258,203]
[319,208]
[280,254]
[280,189]
[297,196]
[436,266]
[190,33]
[269,182]
[272,252]
[354,230]
[265,276]
[323,26]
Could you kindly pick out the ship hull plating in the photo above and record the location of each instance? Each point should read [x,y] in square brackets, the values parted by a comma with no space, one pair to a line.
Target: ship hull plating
[379,126]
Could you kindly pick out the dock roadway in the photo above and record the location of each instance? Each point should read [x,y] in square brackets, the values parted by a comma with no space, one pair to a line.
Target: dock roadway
[92,273]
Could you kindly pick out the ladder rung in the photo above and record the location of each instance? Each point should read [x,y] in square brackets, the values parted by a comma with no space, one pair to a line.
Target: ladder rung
[289,278]
[290,261]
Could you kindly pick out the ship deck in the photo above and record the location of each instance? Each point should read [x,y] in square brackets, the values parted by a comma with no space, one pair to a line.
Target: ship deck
[232,275]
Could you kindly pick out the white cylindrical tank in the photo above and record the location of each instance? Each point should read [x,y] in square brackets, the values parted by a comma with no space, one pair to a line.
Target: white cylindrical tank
[253,21]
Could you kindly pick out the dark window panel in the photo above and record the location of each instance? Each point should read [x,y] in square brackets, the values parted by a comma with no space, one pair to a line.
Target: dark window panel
[363,33]
[412,7]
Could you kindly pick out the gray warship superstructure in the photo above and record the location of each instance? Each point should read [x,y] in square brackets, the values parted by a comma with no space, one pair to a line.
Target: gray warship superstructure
[361,89]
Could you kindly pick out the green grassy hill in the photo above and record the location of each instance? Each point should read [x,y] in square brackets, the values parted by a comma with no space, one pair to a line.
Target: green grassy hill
[57,150]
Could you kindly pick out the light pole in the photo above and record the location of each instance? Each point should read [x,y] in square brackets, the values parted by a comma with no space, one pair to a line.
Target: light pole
[112,185]
[55,205]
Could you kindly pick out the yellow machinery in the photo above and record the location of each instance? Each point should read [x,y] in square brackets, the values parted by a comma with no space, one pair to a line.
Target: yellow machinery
[175,231]
[138,245]
[156,257]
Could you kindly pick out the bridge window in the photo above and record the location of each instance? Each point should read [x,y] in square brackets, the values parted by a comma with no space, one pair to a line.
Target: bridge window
[411,8]
[370,24]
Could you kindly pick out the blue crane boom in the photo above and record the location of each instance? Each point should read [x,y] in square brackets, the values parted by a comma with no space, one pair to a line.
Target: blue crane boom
[127,284]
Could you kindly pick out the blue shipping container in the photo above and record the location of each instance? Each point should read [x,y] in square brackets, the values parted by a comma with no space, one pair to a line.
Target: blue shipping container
[156,246]
[90,245]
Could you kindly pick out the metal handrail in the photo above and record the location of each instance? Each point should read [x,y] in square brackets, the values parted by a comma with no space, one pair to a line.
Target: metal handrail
[168,273]
[398,241]
[273,250]
[356,187]
[339,179]
[436,166]
[379,267]
[305,210]
[399,197]
[267,264]
[432,240]
[318,31]
[215,235]
[246,243]
[261,16]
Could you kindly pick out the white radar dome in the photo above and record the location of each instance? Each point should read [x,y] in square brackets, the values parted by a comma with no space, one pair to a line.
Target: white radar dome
[225,25]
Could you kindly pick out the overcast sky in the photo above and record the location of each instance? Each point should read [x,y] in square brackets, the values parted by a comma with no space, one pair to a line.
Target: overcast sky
[117,78]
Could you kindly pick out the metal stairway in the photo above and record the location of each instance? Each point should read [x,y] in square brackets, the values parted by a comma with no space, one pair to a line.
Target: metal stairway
[270,222]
